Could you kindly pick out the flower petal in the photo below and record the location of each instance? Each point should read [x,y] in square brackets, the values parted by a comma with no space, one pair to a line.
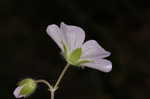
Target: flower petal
[92,49]
[54,32]
[17,92]
[74,36]
[100,64]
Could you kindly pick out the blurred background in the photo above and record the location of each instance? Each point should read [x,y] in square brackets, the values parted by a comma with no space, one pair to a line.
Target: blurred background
[120,26]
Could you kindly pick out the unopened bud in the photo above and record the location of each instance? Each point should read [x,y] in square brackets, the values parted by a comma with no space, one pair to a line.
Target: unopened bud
[25,88]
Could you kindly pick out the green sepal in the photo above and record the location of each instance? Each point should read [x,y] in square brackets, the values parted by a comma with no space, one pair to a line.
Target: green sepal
[74,56]
[82,62]
[25,81]
[28,89]
[65,51]
[29,86]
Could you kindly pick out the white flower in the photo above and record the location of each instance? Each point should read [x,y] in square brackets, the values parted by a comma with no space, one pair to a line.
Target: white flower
[70,40]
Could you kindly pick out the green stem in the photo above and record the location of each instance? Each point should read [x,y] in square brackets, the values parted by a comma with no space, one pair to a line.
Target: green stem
[51,88]
[61,76]
[52,94]
[45,82]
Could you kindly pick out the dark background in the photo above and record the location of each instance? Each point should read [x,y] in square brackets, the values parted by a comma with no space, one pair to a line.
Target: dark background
[120,26]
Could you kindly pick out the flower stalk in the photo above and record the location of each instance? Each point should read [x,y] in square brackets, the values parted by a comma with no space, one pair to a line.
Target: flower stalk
[61,76]
[46,83]
[52,89]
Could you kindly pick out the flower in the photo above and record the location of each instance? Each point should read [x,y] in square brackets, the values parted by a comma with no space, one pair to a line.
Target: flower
[70,40]
[25,88]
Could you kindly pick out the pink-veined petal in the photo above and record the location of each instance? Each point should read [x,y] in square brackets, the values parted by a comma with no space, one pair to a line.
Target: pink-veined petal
[54,32]
[17,92]
[92,49]
[100,64]
[74,36]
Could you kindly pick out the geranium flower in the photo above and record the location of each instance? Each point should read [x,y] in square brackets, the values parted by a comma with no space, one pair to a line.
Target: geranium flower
[70,40]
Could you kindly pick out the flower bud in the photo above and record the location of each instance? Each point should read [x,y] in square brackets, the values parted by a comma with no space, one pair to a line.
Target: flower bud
[25,88]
